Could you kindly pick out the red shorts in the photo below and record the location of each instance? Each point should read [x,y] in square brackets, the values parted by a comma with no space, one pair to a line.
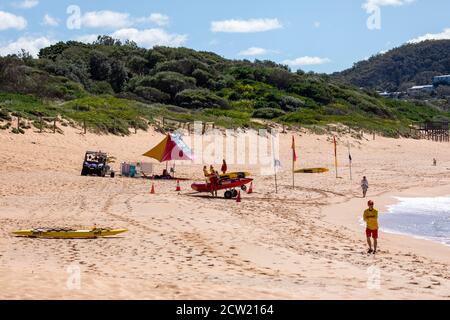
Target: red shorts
[372,233]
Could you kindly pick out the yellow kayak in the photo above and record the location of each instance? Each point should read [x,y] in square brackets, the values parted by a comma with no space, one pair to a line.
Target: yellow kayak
[312,170]
[235,175]
[68,233]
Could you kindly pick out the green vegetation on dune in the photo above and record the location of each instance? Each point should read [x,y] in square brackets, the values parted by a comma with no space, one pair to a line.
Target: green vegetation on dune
[402,67]
[112,86]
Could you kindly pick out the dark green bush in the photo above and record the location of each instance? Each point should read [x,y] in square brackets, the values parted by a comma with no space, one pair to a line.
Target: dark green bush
[152,94]
[200,99]
[268,113]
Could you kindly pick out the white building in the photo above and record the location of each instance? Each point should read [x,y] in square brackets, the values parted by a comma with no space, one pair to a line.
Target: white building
[420,90]
[441,80]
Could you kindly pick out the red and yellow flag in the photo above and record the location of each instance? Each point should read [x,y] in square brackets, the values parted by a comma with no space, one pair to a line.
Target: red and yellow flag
[294,154]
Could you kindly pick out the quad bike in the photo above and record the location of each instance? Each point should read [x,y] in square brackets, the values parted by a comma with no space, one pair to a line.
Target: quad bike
[96,163]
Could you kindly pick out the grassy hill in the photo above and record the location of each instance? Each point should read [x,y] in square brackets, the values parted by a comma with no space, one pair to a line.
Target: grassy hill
[112,86]
[401,68]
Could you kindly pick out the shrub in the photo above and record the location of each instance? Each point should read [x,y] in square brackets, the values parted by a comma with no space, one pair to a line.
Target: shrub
[101,87]
[172,82]
[152,94]
[289,103]
[17,131]
[200,99]
[5,115]
[268,113]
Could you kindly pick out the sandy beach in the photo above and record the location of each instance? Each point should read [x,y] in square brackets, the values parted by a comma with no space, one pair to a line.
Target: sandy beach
[302,243]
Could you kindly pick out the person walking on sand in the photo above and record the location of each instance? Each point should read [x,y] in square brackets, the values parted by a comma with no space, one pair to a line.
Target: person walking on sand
[371,218]
[364,186]
[224,167]
[215,181]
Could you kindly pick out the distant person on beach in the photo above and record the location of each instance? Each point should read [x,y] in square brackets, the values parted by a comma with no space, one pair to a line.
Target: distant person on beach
[371,219]
[224,167]
[434,162]
[364,186]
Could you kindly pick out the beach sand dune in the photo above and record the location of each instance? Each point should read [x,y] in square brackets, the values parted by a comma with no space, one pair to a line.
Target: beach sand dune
[305,243]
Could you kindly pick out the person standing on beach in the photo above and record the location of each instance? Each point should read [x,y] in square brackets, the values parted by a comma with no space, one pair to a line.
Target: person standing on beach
[224,167]
[364,186]
[371,218]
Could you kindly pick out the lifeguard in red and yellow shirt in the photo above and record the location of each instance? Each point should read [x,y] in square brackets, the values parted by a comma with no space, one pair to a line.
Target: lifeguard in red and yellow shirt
[371,219]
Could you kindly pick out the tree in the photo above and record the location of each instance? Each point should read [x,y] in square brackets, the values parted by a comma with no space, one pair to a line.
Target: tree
[118,76]
[137,65]
[153,57]
[172,82]
[107,41]
[202,77]
[99,66]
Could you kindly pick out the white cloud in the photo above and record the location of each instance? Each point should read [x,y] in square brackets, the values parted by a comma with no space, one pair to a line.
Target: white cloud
[106,19]
[32,45]
[11,21]
[370,5]
[118,20]
[159,19]
[444,35]
[306,61]
[26,4]
[245,26]
[50,21]
[255,51]
[150,37]
[88,38]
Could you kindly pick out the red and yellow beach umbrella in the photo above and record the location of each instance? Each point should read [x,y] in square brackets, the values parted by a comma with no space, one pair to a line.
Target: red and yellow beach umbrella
[171,148]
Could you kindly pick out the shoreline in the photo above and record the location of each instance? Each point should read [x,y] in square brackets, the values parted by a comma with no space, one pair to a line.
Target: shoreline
[350,219]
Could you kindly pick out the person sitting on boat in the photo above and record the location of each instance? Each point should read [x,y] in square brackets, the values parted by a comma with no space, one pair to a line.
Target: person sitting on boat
[205,171]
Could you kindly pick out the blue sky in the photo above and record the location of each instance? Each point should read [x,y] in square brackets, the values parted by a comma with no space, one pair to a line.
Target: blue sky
[320,35]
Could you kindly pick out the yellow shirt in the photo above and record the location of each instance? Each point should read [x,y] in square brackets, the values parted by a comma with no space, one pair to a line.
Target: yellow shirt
[371,218]
[206,172]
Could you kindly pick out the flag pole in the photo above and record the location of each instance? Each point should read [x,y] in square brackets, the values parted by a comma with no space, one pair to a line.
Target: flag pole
[293,175]
[350,161]
[335,156]
[293,162]
[274,164]
[276,185]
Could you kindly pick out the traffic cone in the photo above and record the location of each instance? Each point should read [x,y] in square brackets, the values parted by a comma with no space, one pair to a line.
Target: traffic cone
[238,198]
[178,186]
[250,190]
[153,189]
